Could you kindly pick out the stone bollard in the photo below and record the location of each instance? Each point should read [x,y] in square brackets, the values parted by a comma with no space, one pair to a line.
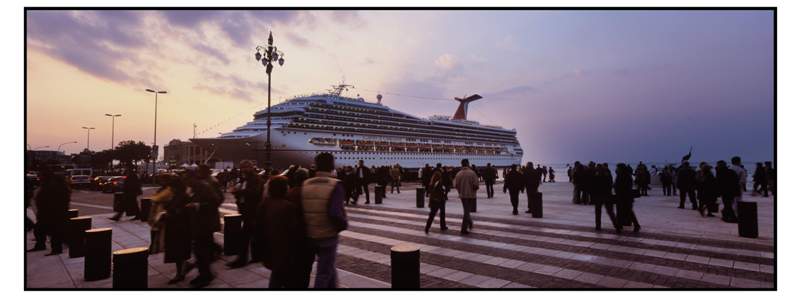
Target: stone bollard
[232,234]
[130,268]
[535,205]
[72,213]
[748,219]
[97,264]
[76,240]
[144,212]
[380,193]
[119,202]
[420,197]
[405,266]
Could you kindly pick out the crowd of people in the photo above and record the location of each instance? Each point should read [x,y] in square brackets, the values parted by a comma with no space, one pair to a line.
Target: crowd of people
[292,218]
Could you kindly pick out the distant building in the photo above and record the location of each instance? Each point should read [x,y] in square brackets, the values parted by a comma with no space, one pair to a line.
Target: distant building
[177,153]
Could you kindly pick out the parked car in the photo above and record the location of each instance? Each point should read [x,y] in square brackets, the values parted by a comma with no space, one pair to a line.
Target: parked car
[99,182]
[114,184]
[80,178]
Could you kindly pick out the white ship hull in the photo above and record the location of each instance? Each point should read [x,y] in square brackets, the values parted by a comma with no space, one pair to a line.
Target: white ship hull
[292,147]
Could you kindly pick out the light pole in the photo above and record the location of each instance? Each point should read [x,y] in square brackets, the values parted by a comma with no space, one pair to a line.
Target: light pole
[266,55]
[155,124]
[113,116]
[62,144]
[88,129]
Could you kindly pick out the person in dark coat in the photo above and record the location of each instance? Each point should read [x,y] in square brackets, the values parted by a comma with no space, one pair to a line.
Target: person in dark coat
[427,173]
[489,177]
[203,207]
[552,175]
[707,190]
[52,202]
[248,196]
[623,188]
[686,184]
[175,221]
[284,234]
[514,183]
[437,201]
[601,186]
[642,179]
[363,176]
[131,189]
[759,179]
[531,182]
[728,187]
[666,181]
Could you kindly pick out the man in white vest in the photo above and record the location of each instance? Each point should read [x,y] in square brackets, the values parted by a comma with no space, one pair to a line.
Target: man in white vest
[323,198]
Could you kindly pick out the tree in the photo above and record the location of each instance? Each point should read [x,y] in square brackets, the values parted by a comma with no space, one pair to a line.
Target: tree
[130,152]
[101,159]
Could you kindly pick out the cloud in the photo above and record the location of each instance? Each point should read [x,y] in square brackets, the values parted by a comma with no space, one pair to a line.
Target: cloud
[446,62]
[92,41]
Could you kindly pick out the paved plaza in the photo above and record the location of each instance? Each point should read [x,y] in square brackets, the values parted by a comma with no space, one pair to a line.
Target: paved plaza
[677,248]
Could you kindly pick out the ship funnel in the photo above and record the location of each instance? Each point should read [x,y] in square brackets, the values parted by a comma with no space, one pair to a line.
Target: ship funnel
[461,112]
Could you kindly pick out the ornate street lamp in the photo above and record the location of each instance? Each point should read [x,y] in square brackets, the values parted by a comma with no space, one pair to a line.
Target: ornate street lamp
[266,55]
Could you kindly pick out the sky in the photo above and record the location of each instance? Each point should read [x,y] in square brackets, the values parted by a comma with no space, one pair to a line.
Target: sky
[576,85]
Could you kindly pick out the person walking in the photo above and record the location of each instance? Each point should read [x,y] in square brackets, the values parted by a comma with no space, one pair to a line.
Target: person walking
[131,189]
[324,216]
[728,189]
[284,233]
[552,175]
[601,185]
[362,177]
[437,201]
[770,179]
[466,184]
[707,191]
[173,222]
[741,174]
[52,202]
[248,196]
[530,176]
[642,179]
[666,181]
[489,178]
[576,177]
[514,182]
[396,176]
[686,184]
[203,210]
[623,188]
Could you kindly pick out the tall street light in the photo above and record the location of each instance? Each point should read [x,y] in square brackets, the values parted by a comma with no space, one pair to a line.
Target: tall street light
[88,129]
[266,55]
[155,124]
[62,144]
[113,116]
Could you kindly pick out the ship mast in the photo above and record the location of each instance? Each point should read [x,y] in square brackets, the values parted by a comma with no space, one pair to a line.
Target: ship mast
[338,89]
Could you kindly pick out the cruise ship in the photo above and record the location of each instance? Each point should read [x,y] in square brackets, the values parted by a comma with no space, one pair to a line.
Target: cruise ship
[354,129]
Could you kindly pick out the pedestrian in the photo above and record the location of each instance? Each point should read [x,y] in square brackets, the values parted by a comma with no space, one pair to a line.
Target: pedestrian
[284,234]
[569,172]
[728,189]
[741,175]
[759,179]
[489,178]
[686,184]
[623,188]
[174,224]
[552,175]
[427,173]
[530,177]
[203,209]
[324,216]
[666,181]
[437,201]
[771,179]
[642,179]
[466,184]
[362,177]
[248,194]
[396,176]
[576,182]
[601,186]
[131,189]
[52,202]
[707,191]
